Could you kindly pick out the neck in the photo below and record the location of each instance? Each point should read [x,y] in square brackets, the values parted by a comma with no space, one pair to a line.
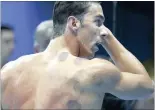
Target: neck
[64,42]
[75,47]
[70,44]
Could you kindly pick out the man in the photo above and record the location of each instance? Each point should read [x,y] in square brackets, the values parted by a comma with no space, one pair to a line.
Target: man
[7,43]
[36,81]
[43,35]
[7,37]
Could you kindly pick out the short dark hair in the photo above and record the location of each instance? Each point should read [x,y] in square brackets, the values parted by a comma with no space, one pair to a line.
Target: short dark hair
[6,27]
[64,9]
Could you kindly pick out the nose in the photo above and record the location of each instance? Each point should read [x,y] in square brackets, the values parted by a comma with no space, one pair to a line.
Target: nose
[103,32]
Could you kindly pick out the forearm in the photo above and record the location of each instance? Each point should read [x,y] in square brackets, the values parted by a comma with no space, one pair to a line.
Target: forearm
[122,58]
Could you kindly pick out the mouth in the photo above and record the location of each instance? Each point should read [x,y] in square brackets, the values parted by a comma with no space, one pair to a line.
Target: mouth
[95,48]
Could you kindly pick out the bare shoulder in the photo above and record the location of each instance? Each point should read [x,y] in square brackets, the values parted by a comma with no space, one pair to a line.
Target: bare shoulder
[101,60]
[16,63]
[103,63]
[98,73]
[106,69]
[13,68]
[99,65]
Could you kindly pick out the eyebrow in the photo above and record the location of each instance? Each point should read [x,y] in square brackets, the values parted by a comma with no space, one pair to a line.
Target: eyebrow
[100,17]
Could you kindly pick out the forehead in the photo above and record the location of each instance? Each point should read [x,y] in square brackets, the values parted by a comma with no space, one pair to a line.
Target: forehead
[6,34]
[94,10]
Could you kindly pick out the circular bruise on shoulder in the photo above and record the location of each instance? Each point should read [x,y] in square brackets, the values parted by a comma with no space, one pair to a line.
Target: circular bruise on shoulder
[63,56]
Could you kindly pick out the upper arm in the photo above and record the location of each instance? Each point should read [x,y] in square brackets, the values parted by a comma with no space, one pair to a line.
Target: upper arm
[125,85]
[98,76]
[132,86]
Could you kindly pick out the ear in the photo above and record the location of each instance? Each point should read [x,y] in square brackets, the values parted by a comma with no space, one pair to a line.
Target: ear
[73,23]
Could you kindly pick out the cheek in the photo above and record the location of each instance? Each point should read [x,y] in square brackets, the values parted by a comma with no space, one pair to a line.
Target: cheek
[91,31]
[5,52]
[93,34]
[88,35]
[8,47]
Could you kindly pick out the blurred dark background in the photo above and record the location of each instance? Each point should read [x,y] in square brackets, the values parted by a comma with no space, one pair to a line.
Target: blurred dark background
[134,26]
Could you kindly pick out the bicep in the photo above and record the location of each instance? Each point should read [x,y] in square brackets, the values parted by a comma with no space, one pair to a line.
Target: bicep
[132,86]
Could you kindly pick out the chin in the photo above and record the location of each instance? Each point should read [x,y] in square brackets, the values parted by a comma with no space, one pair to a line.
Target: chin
[88,52]
[91,54]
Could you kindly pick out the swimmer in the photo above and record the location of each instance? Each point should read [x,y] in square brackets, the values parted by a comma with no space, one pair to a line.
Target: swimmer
[62,77]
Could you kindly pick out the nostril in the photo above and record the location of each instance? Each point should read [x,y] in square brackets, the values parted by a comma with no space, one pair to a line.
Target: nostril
[103,35]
